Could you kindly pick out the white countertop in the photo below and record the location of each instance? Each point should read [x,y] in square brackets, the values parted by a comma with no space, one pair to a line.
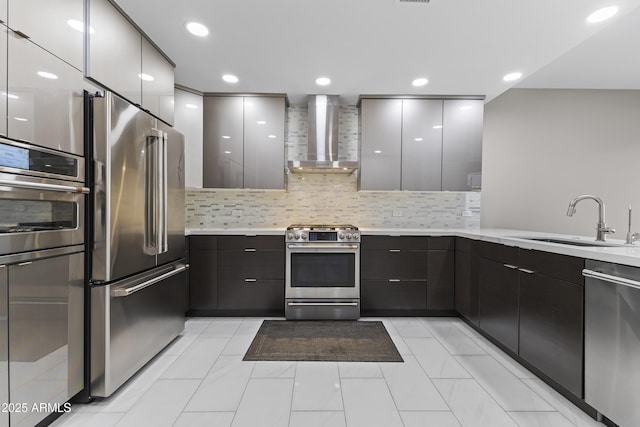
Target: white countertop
[625,254]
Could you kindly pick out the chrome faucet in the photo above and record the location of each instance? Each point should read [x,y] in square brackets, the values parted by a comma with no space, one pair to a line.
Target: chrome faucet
[602,228]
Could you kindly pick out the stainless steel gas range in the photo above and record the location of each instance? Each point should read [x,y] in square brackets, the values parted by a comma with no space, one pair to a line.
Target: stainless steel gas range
[322,272]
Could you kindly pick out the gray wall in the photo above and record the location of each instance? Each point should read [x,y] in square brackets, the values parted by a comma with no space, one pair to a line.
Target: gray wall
[542,147]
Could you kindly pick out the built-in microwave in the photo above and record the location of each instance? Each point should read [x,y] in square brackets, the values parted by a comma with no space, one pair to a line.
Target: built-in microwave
[41,198]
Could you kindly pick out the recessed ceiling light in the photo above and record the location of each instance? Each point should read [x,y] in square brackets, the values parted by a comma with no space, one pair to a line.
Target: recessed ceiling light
[227,152]
[47,75]
[191,106]
[437,127]
[323,81]
[417,139]
[230,78]
[271,136]
[225,137]
[146,77]
[197,29]
[602,14]
[378,151]
[512,76]
[79,26]
[21,119]
[466,107]
[420,82]
[261,122]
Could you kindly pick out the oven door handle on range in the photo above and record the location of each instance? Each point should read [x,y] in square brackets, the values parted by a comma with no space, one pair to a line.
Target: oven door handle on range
[44,187]
[323,246]
[322,304]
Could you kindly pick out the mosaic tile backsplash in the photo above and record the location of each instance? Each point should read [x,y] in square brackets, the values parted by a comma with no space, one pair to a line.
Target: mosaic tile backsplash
[328,198]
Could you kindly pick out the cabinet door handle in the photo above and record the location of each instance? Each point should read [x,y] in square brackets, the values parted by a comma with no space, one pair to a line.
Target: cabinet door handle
[25,263]
[250,280]
[524,270]
[250,249]
[394,280]
[513,267]
[394,250]
[21,34]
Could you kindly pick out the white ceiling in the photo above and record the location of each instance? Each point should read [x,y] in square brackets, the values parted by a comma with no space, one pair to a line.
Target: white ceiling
[463,47]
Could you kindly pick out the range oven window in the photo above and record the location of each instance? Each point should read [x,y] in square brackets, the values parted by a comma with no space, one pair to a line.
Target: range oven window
[323,270]
[24,215]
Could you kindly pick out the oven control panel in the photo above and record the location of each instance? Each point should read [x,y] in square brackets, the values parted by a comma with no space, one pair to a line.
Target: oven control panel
[313,236]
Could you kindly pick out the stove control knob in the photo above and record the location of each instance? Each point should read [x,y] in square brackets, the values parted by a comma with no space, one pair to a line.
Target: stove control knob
[290,236]
[349,236]
[297,236]
[304,236]
[342,236]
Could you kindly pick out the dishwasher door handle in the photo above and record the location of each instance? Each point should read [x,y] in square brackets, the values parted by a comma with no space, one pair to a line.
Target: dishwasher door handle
[611,279]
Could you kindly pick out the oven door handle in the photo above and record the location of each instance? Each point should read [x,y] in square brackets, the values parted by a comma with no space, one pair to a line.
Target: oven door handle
[322,304]
[44,187]
[347,247]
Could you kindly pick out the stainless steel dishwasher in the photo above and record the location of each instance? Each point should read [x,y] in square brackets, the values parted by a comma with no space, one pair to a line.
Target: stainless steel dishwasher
[612,341]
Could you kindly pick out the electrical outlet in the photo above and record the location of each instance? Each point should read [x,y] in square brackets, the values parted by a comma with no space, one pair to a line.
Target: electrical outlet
[397,213]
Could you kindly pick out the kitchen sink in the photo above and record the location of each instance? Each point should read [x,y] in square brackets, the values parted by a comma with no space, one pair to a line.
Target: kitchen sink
[571,242]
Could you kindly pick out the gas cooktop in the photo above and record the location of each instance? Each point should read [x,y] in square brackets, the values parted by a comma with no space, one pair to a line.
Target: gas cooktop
[322,227]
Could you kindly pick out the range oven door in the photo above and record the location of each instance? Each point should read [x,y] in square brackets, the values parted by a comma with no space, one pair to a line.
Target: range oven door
[322,271]
[38,213]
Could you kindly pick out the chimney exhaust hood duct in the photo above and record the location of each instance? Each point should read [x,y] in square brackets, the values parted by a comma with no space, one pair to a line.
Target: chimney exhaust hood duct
[322,145]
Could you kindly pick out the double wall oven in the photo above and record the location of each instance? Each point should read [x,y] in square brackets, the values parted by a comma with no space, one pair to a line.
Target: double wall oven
[322,272]
[42,236]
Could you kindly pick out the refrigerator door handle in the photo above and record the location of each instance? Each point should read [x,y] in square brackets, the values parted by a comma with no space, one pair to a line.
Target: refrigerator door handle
[129,290]
[153,174]
[164,247]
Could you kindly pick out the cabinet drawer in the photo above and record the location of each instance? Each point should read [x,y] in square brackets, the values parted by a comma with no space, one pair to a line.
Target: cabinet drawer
[385,295]
[548,264]
[203,242]
[389,264]
[500,253]
[441,243]
[235,294]
[394,242]
[240,265]
[250,242]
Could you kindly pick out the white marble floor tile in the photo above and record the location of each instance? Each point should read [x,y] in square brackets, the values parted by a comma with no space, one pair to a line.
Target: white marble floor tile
[222,327]
[126,396]
[196,361]
[508,390]
[467,330]
[453,339]
[472,406]
[400,344]
[161,405]
[180,344]
[368,403]
[561,404]
[428,419]
[410,328]
[317,419]
[223,387]
[359,370]
[84,419]
[411,388]
[317,387]
[205,419]
[238,345]
[266,402]
[505,360]
[196,325]
[274,370]
[436,361]
[541,419]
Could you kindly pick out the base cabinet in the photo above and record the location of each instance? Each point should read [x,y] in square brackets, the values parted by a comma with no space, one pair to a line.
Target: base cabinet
[466,279]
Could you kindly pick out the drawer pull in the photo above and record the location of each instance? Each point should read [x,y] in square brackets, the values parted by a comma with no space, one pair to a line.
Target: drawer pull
[250,249]
[250,280]
[394,250]
[513,267]
[524,270]
[394,280]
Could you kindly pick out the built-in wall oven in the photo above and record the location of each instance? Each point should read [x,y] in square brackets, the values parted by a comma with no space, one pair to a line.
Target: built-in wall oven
[322,276]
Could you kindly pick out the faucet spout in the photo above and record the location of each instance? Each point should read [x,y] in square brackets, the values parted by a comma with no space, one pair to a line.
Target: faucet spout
[602,228]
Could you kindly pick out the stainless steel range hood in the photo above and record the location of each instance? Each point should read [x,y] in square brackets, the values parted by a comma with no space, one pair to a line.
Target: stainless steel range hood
[322,145]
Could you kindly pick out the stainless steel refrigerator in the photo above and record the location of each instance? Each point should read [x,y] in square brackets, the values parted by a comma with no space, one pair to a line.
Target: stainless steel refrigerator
[138,269]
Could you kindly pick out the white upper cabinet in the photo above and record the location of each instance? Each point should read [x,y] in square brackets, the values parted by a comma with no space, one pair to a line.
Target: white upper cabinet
[115,51]
[157,83]
[55,25]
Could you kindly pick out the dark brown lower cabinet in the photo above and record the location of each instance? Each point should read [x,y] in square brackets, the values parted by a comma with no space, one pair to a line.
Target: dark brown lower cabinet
[499,294]
[440,280]
[385,297]
[466,279]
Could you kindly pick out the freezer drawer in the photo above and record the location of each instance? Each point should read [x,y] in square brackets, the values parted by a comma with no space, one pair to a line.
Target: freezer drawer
[612,341]
[131,321]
